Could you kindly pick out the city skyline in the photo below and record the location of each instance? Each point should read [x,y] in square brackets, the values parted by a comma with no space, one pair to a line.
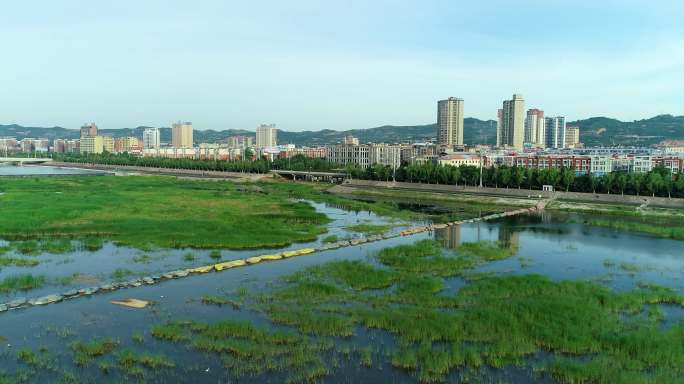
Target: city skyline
[618,60]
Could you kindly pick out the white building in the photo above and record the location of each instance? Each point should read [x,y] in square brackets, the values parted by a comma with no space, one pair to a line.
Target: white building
[266,136]
[151,138]
[458,159]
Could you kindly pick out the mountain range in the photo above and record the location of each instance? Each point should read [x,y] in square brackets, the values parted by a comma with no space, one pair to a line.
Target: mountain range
[594,131]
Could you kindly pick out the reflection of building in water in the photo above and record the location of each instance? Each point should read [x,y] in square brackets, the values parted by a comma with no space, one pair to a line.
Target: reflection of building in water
[509,237]
[449,237]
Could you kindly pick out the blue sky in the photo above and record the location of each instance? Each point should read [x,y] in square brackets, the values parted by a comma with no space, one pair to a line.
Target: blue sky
[310,65]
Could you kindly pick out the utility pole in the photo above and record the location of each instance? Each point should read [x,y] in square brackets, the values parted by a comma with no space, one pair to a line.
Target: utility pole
[480,168]
[394,167]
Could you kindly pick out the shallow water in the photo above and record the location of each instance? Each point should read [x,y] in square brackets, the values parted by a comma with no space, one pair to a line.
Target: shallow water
[42,170]
[544,244]
[96,268]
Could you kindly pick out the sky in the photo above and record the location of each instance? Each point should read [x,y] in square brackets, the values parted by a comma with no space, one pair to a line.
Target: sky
[311,65]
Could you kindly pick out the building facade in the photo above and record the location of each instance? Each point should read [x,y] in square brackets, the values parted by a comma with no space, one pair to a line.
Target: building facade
[535,131]
[240,142]
[350,140]
[510,129]
[151,138]
[572,137]
[93,144]
[266,136]
[458,159]
[88,130]
[181,135]
[450,121]
[555,132]
[349,154]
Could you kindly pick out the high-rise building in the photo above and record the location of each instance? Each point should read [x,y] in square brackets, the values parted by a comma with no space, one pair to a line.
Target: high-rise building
[572,137]
[510,130]
[151,139]
[88,130]
[535,132]
[555,132]
[351,140]
[266,136]
[181,135]
[450,121]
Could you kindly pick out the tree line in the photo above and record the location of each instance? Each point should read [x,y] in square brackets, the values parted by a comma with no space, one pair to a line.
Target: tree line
[659,182]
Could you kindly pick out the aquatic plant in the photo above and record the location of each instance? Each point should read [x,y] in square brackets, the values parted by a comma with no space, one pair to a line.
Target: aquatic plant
[18,262]
[85,353]
[23,282]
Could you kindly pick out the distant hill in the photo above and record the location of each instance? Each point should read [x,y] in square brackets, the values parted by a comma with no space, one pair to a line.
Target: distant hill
[606,131]
[594,131]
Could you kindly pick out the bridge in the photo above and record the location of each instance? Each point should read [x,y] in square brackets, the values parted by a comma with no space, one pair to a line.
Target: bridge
[24,160]
[333,177]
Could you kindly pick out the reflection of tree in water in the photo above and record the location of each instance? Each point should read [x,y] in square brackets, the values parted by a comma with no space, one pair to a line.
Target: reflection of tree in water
[449,237]
[509,236]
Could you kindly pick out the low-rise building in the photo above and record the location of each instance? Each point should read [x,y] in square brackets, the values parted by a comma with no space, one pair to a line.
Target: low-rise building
[458,159]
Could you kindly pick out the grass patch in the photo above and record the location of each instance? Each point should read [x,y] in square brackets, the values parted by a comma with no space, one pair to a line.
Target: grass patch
[152,212]
[189,257]
[136,364]
[142,259]
[487,250]
[18,262]
[121,274]
[370,229]
[85,353]
[247,350]
[28,247]
[215,254]
[24,282]
[57,246]
[330,239]
[92,244]
[494,320]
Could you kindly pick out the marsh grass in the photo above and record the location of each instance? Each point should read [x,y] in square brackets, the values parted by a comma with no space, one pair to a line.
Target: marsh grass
[330,239]
[92,244]
[494,320]
[137,364]
[18,262]
[370,229]
[486,250]
[23,282]
[85,353]
[121,274]
[152,213]
[250,351]
[215,254]
[189,257]
[57,246]
[219,301]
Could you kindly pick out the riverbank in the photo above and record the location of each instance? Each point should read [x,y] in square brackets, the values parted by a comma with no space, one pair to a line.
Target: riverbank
[236,176]
[662,202]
